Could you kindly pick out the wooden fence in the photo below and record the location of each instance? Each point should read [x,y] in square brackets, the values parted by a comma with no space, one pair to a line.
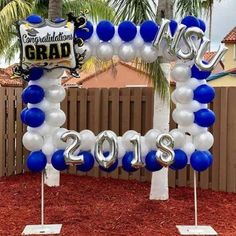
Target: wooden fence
[121,110]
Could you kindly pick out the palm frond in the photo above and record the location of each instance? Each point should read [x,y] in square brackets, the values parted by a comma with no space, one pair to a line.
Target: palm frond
[186,7]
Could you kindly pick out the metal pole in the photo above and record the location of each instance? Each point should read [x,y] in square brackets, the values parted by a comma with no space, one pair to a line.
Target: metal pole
[195,196]
[42,198]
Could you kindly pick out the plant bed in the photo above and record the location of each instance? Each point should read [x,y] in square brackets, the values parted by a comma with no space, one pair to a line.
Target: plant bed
[100,206]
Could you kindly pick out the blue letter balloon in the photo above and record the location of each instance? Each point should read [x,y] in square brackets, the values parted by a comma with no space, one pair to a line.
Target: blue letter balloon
[151,162]
[58,161]
[36,161]
[180,160]
[88,161]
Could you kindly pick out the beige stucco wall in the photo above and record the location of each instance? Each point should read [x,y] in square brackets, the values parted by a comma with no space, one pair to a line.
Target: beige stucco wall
[226,81]
[229,60]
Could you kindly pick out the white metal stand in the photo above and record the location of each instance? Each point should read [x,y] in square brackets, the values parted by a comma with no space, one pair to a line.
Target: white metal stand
[196,229]
[42,228]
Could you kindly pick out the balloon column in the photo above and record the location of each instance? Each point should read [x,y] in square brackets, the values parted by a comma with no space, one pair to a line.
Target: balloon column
[45,54]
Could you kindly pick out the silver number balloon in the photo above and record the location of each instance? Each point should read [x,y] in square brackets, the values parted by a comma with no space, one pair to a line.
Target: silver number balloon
[137,161]
[70,158]
[111,138]
[200,55]
[165,153]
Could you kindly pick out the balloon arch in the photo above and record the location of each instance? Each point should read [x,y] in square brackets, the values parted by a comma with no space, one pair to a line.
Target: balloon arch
[50,47]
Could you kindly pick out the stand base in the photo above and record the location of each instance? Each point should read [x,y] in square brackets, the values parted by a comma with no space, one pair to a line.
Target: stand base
[42,229]
[196,230]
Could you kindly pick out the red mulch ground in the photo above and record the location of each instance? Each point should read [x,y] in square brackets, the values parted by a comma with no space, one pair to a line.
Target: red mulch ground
[91,206]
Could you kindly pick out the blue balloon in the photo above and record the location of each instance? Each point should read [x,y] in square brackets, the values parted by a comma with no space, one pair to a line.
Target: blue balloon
[200,161]
[210,157]
[198,74]
[180,160]
[148,30]
[173,27]
[204,93]
[34,19]
[36,161]
[35,73]
[34,117]
[151,162]
[204,117]
[58,20]
[33,94]
[202,25]
[112,167]
[58,161]
[190,21]
[126,162]
[105,30]
[22,114]
[81,33]
[88,162]
[127,31]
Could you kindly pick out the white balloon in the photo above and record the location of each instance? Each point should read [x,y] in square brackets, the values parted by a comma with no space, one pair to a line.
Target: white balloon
[203,141]
[53,74]
[138,41]
[55,94]
[56,137]
[89,49]
[116,42]
[87,140]
[121,148]
[48,148]
[55,117]
[183,95]
[150,138]
[149,53]
[94,40]
[179,138]
[194,83]
[188,148]
[44,82]
[191,106]
[195,129]
[181,73]
[32,141]
[127,52]
[126,139]
[183,117]
[173,99]
[44,105]
[42,130]
[105,51]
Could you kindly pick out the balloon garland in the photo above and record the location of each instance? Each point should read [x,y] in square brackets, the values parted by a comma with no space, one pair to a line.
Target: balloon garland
[184,43]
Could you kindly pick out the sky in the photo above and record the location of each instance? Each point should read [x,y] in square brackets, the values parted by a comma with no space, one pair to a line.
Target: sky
[224,20]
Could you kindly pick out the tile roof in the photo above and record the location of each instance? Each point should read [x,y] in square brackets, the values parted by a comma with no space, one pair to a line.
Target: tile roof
[6,79]
[230,37]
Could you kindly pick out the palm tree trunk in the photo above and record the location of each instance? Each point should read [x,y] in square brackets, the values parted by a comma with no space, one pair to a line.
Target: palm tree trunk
[54,9]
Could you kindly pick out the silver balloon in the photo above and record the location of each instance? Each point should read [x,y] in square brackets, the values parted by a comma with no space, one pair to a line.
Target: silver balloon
[111,138]
[179,138]
[165,153]
[203,141]
[201,52]
[55,94]
[55,117]
[183,117]
[105,51]
[127,52]
[94,40]
[89,50]
[183,95]
[32,141]
[148,53]
[181,72]
[69,156]
[137,160]
[150,138]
